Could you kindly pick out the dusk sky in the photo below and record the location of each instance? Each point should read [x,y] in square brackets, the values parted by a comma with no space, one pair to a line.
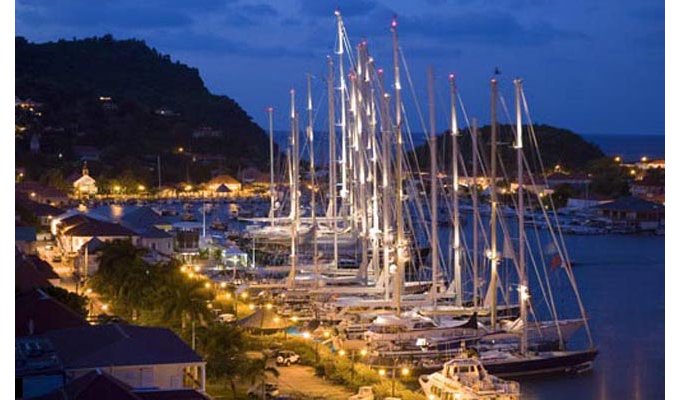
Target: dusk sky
[589,66]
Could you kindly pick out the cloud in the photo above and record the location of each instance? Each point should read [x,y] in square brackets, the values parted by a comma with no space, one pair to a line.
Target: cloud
[107,15]
[492,28]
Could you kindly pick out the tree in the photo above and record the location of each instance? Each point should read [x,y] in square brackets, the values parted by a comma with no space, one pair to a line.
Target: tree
[257,370]
[224,351]
[72,300]
[609,179]
[183,299]
[562,194]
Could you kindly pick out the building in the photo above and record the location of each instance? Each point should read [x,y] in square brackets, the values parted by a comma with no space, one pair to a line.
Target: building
[583,202]
[141,357]
[206,132]
[74,231]
[229,181]
[84,185]
[25,239]
[31,272]
[631,214]
[41,193]
[649,189]
[576,181]
[153,231]
[43,212]
[645,164]
[99,385]
[36,312]
[108,362]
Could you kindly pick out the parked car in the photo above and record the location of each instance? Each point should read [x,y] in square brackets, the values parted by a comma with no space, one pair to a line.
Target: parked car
[287,357]
[56,259]
[365,393]
[226,318]
[271,391]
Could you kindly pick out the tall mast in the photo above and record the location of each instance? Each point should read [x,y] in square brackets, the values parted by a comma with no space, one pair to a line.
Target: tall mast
[523,284]
[387,234]
[343,110]
[375,225]
[293,190]
[312,172]
[361,108]
[158,163]
[475,217]
[272,189]
[493,253]
[434,209]
[332,161]
[401,247]
[457,274]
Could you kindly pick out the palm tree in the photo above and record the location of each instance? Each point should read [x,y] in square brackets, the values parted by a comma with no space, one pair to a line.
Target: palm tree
[184,299]
[256,371]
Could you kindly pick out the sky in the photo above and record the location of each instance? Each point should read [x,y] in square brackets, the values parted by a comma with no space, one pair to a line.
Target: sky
[592,66]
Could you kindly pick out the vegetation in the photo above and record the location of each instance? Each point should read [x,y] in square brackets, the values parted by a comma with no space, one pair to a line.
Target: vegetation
[557,147]
[110,94]
[609,179]
[72,300]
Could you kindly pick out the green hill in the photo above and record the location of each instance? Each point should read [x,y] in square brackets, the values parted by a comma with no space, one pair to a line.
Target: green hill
[156,104]
[556,146]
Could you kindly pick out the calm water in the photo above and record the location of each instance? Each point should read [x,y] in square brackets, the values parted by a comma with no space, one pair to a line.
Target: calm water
[621,280]
[630,147]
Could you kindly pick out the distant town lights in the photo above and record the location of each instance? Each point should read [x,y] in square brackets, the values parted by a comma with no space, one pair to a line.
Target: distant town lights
[382,372]
[306,335]
[644,159]
[617,159]
[141,188]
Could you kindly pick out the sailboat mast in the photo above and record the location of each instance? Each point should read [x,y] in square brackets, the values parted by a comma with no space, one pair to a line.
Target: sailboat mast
[387,235]
[523,287]
[400,248]
[343,111]
[375,221]
[457,273]
[434,208]
[272,189]
[332,161]
[293,190]
[312,172]
[493,253]
[475,217]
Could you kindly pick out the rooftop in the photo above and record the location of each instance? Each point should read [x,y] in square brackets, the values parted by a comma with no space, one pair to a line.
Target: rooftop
[36,313]
[118,344]
[630,203]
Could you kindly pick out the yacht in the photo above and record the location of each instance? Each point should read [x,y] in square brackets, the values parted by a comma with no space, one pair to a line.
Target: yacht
[465,378]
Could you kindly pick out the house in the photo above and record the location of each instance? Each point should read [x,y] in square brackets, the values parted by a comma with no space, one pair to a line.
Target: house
[87,259]
[253,176]
[36,312]
[141,357]
[99,385]
[152,229]
[41,193]
[43,212]
[583,202]
[537,186]
[206,132]
[31,272]
[649,189]
[632,214]
[229,181]
[37,369]
[25,239]
[83,185]
[187,236]
[73,231]
[576,180]
[645,163]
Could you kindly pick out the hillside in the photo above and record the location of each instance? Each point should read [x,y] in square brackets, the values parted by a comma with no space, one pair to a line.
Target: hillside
[557,147]
[132,103]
